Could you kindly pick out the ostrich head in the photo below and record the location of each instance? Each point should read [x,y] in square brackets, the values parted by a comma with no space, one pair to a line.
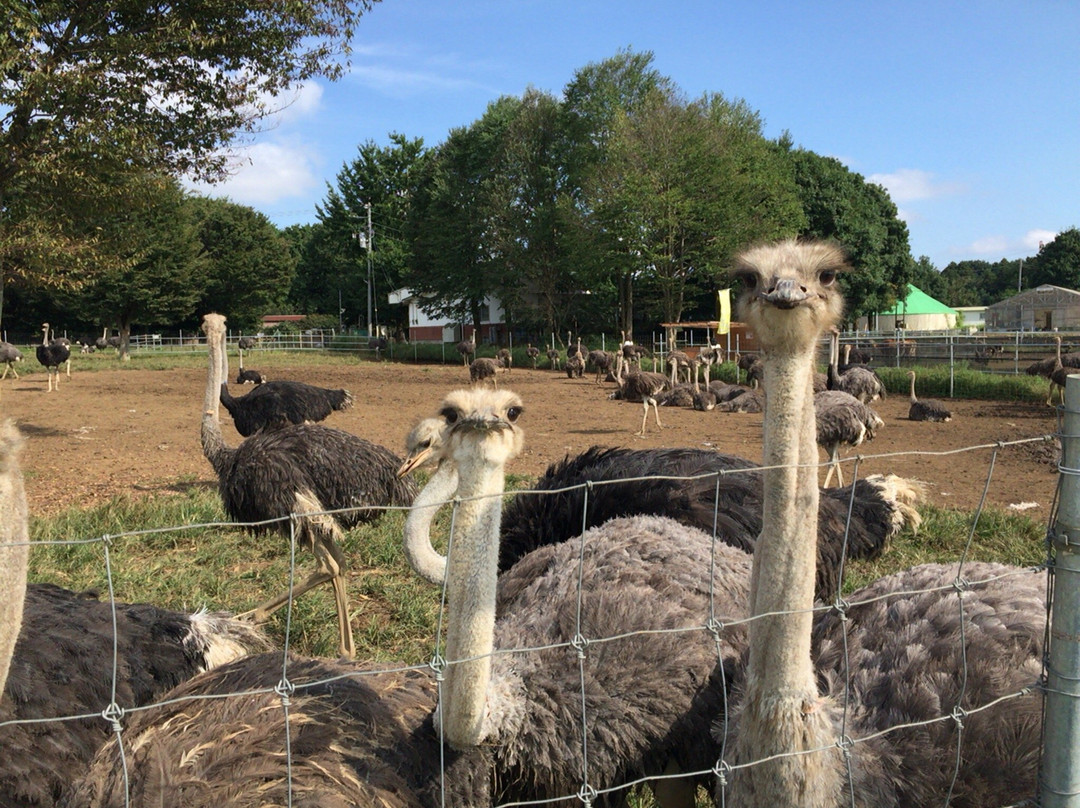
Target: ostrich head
[423,445]
[481,426]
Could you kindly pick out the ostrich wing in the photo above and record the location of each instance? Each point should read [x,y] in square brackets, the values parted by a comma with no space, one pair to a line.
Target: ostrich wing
[283,401]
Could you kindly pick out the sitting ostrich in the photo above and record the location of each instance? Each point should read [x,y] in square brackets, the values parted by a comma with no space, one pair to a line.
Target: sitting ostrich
[810,716]
[467,348]
[52,354]
[246,375]
[305,469]
[533,353]
[9,355]
[926,409]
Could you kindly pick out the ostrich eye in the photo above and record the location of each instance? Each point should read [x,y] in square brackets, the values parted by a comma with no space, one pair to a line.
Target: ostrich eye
[748,280]
[827,277]
[450,415]
[513,413]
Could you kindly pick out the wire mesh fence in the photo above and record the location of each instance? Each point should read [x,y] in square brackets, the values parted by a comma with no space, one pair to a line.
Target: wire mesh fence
[580,646]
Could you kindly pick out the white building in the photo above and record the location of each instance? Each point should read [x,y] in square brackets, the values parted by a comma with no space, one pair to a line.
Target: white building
[425,327]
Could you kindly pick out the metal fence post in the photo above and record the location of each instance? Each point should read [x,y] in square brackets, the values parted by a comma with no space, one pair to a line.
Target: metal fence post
[1060,781]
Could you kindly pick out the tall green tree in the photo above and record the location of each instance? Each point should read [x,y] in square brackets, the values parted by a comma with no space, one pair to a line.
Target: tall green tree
[381,181]
[158,271]
[96,92]
[1058,261]
[454,266]
[840,204]
[248,261]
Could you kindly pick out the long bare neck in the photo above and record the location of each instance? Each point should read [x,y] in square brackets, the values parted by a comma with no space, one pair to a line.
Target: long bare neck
[472,578]
[786,553]
[781,712]
[213,444]
[14,546]
[912,395]
[428,562]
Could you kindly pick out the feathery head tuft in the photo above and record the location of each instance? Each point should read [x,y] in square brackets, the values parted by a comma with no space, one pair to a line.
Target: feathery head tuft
[484,418]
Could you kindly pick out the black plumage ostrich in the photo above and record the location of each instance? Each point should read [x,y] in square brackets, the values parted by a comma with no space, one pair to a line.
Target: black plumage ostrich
[926,409]
[303,469]
[63,665]
[272,403]
[52,354]
[249,376]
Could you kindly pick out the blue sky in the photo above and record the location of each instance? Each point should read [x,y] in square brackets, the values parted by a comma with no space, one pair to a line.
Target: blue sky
[967,112]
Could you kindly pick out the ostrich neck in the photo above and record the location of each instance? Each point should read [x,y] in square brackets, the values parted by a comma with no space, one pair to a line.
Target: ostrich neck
[912,396]
[471,580]
[786,553]
[428,562]
[213,443]
[14,546]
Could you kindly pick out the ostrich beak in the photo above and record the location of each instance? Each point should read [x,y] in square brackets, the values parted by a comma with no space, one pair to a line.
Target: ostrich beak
[414,460]
[481,422]
[785,294]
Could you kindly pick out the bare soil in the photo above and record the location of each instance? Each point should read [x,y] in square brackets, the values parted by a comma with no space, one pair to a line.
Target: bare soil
[136,432]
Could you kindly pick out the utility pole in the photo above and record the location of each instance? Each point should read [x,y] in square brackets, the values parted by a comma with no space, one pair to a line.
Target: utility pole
[370,291]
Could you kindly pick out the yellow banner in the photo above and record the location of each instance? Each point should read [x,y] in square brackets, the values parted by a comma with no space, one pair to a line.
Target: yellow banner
[723,311]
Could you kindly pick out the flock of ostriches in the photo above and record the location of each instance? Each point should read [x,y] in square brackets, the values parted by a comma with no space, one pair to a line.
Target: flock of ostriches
[659,629]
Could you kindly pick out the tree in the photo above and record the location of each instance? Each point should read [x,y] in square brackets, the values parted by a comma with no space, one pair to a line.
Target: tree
[839,204]
[249,264]
[453,263]
[925,275]
[96,92]
[1058,261]
[158,271]
[384,178]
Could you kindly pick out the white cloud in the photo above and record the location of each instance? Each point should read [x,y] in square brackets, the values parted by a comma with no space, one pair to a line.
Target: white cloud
[290,106]
[264,173]
[998,246]
[1034,238]
[913,184]
[395,82]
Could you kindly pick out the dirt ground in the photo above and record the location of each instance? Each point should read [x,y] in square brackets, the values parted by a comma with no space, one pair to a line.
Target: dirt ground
[137,431]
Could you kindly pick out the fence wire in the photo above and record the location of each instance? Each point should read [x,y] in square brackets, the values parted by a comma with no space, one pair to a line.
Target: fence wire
[715,626]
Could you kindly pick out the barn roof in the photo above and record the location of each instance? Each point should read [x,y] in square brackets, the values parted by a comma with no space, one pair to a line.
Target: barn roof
[918,302]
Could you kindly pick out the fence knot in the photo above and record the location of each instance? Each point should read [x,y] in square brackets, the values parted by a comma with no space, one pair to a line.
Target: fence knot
[589,485]
[587,794]
[721,769]
[961,584]
[438,666]
[841,606]
[579,643]
[113,713]
[107,540]
[958,715]
[284,690]
[715,627]
[845,743]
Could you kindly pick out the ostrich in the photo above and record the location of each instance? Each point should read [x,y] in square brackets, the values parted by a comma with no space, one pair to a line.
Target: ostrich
[677,362]
[790,713]
[533,353]
[862,383]
[482,369]
[505,358]
[637,573]
[9,355]
[247,343]
[1047,367]
[643,386]
[52,355]
[603,361]
[681,395]
[1059,372]
[275,403]
[304,469]
[575,366]
[748,401]
[926,409]
[61,667]
[554,357]
[249,376]
[842,420]
[467,348]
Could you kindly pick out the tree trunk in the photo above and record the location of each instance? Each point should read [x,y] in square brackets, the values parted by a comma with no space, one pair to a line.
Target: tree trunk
[125,340]
[626,304]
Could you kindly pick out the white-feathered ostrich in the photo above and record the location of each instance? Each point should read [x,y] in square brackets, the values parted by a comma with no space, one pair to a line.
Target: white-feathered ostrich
[467,348]
[52,354]
[533,353]
[863,383]
[790,722]
[278,402]
[926,409]
[9,355]
[61,664]
[303,469]
[643,386]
